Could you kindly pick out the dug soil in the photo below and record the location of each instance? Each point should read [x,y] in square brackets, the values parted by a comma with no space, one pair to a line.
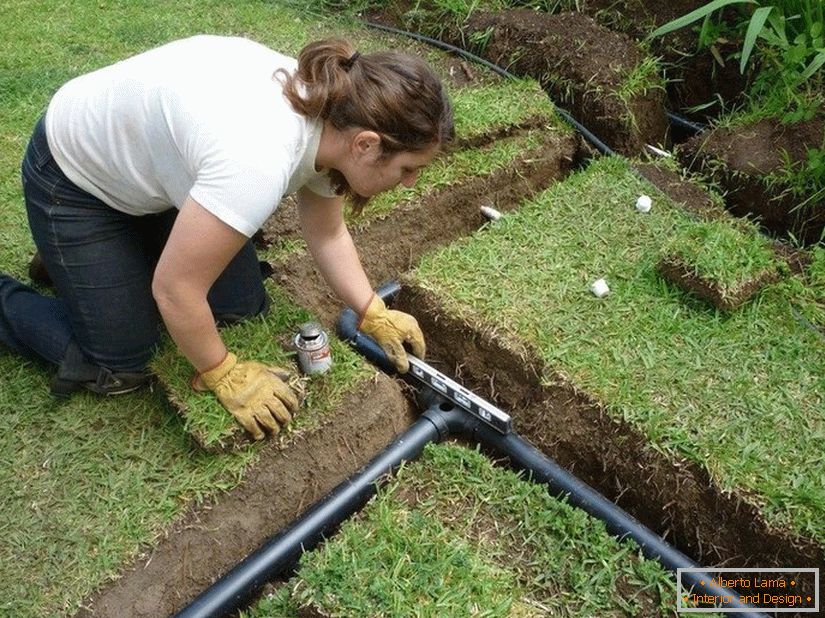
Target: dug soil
[695,77]
[216,536]
[674,497]
[740,160]
[580,63]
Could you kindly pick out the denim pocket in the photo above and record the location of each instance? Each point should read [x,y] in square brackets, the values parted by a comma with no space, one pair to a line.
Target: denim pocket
[38,152]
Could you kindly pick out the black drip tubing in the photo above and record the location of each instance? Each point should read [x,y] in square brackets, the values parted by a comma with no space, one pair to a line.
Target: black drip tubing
[281,552]
[684,123]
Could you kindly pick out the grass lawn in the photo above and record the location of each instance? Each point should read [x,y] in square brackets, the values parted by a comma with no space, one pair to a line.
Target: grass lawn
[89,481]
[742,394]
[92,482]
[453,535]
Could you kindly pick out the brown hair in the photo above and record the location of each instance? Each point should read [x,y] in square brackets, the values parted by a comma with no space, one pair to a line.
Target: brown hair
[396,95]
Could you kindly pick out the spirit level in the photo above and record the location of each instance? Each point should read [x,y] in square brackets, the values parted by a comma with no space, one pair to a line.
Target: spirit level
[475,405]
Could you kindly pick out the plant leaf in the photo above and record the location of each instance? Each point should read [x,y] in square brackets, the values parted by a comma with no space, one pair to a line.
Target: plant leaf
[754,28]
[703,11]
[815,65]
[777,23]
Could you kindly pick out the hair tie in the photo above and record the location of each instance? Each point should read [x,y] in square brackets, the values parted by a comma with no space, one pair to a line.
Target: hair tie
[347,64]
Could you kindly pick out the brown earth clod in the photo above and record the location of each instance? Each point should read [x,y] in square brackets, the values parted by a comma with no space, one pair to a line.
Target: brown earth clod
[673,269]
[742,160]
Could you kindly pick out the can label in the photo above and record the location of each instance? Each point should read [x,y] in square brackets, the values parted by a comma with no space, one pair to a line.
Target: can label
[312,345]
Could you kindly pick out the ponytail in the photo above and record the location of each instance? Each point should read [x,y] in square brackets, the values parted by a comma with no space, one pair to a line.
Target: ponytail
[396,95]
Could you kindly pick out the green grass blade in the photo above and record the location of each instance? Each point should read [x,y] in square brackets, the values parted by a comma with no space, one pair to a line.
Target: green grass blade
[696,15]
[777,23]
[815,65]
[754,28]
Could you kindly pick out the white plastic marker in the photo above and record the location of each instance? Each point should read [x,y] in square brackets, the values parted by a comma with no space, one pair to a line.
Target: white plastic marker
[658,151]
[644,203]
[599,288]
[491,213]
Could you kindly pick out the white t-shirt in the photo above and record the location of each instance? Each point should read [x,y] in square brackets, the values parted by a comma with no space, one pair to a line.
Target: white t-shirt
[202,116]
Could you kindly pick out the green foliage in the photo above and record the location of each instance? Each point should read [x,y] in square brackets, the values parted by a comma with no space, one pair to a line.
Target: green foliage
[805,179]
[325,8]
[808,292]
[786,40]
[434,17]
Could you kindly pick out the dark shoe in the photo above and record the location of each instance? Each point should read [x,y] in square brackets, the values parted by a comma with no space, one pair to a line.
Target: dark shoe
[75,374]
[106,383]
[266,269]
[37,271]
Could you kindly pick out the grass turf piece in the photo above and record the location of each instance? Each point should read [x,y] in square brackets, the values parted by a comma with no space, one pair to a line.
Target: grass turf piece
[722,262]
[267,339]
[505,547]
[739,394]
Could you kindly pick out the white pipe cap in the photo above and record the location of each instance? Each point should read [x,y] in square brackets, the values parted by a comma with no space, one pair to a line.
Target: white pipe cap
[644,203]
[599,288]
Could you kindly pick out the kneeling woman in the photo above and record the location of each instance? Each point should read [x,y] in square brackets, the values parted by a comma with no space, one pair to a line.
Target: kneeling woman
[145,180]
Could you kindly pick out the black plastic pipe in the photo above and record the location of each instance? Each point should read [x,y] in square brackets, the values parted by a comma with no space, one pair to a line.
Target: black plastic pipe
[441,420]
[561,483]
[683,123]
[281,552]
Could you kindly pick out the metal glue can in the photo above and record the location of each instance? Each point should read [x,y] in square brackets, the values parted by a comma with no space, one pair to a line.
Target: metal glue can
[312,344]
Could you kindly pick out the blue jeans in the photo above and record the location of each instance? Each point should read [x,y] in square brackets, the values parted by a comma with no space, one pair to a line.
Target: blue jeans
[101,262]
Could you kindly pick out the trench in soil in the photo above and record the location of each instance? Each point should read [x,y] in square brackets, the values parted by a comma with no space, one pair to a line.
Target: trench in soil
[674,498]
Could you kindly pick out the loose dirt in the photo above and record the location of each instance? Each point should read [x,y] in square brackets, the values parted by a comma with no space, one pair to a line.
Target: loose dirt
[694,76]
[582,65]
[739,159]
[214,537]
[394,244]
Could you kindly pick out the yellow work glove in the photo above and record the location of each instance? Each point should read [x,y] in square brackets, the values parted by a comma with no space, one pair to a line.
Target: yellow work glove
[258,396]
[391,330]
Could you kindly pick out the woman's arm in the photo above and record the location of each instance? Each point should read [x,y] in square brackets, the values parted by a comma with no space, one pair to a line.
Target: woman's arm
[199,248]
[331,246]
